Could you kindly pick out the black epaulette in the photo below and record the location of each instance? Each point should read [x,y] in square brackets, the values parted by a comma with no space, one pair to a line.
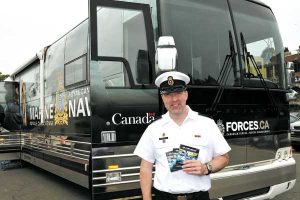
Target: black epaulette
[208,116]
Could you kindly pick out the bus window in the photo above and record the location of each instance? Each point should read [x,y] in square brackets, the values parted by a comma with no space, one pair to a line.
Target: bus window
[114,74]
[76,42]
[54,67]
[75,55]
[75,71]
[201,32]
[265,47]
[31,80]
[122,39]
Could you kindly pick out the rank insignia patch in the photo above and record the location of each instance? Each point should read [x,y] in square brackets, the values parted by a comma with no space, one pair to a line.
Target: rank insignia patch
[163,138]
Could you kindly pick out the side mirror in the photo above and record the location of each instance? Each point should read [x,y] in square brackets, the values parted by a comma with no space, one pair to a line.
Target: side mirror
[166,55]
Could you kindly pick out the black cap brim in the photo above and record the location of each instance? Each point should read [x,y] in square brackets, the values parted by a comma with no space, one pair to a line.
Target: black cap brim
[177,88]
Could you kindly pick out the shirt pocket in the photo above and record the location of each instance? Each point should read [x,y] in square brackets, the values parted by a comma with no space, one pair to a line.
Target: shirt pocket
[203,147]
[161,148]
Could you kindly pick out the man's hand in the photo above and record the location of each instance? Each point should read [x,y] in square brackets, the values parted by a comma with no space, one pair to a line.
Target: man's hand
[194,167]
[197,168]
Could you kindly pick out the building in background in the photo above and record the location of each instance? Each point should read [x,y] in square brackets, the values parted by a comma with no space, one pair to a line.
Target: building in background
[293,56]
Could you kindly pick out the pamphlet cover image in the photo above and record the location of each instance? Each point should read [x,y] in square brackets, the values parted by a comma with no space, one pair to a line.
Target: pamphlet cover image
[177,156]
[172,160]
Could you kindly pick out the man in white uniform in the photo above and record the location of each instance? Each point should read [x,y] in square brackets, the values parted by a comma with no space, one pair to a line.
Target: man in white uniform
[184,146]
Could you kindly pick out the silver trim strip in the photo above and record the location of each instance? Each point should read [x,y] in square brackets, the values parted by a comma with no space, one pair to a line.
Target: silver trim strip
[119,169]
[52,146]
[248,165]
[113,156]
[54,139]
[18,140]
[122,175]
[61,150]
[12,134]
[13,143]
[60,153]
[115,183]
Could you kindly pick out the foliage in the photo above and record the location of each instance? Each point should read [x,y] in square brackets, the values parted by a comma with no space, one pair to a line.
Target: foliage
[3,76]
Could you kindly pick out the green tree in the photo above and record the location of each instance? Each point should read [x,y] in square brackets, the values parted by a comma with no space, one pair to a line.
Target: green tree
[3,76]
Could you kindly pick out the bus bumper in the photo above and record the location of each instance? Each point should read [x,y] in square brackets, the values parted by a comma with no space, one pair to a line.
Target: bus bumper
[258,182]
[276,190]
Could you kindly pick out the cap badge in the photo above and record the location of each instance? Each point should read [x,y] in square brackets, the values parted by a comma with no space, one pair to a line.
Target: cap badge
[170,80]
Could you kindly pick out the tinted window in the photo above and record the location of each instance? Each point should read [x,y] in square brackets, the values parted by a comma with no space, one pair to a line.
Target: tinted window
[75,71]
[54,67]
[123,40]
[258,26]
[76,43]
[201,32]
[31,82]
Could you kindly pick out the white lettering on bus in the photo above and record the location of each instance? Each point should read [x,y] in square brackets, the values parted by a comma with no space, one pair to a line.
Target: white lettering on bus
[77,107]
[247,125]
[118,119]
[49,112]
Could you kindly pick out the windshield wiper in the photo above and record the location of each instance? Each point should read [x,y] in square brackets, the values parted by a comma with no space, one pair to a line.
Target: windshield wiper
[249,57]
[228,64]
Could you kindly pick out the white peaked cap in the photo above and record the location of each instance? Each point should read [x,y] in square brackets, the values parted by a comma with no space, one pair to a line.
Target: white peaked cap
[175,76]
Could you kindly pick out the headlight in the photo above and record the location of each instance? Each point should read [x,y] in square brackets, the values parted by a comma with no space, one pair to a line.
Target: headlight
[284,153]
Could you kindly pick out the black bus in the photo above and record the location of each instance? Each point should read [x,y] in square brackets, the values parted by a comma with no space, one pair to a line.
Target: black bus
[86,99]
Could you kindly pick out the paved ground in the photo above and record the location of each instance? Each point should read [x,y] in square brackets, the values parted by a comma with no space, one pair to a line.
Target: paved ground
[32,183]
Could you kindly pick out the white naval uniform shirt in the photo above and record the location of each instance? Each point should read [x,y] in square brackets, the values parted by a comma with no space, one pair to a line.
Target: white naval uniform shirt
[196,131]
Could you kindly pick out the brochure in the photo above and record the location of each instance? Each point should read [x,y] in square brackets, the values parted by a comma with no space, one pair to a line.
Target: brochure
[177,156]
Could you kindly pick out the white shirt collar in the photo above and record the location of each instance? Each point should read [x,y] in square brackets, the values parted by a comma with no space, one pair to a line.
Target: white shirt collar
[191,115]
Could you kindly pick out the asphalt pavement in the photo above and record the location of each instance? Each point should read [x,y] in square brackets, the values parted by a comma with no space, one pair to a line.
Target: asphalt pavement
[33,183]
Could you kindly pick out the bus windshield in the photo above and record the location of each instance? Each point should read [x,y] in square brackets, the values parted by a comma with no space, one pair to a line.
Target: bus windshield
[200,29]
[258,26]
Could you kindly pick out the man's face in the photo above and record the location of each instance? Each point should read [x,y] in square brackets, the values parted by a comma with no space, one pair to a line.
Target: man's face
[175,102]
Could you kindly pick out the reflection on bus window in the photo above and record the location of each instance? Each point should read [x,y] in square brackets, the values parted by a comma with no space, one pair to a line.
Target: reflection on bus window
[123,38]
[114,74]
[75,71]
[263,52]
[200,30]
[260,31]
